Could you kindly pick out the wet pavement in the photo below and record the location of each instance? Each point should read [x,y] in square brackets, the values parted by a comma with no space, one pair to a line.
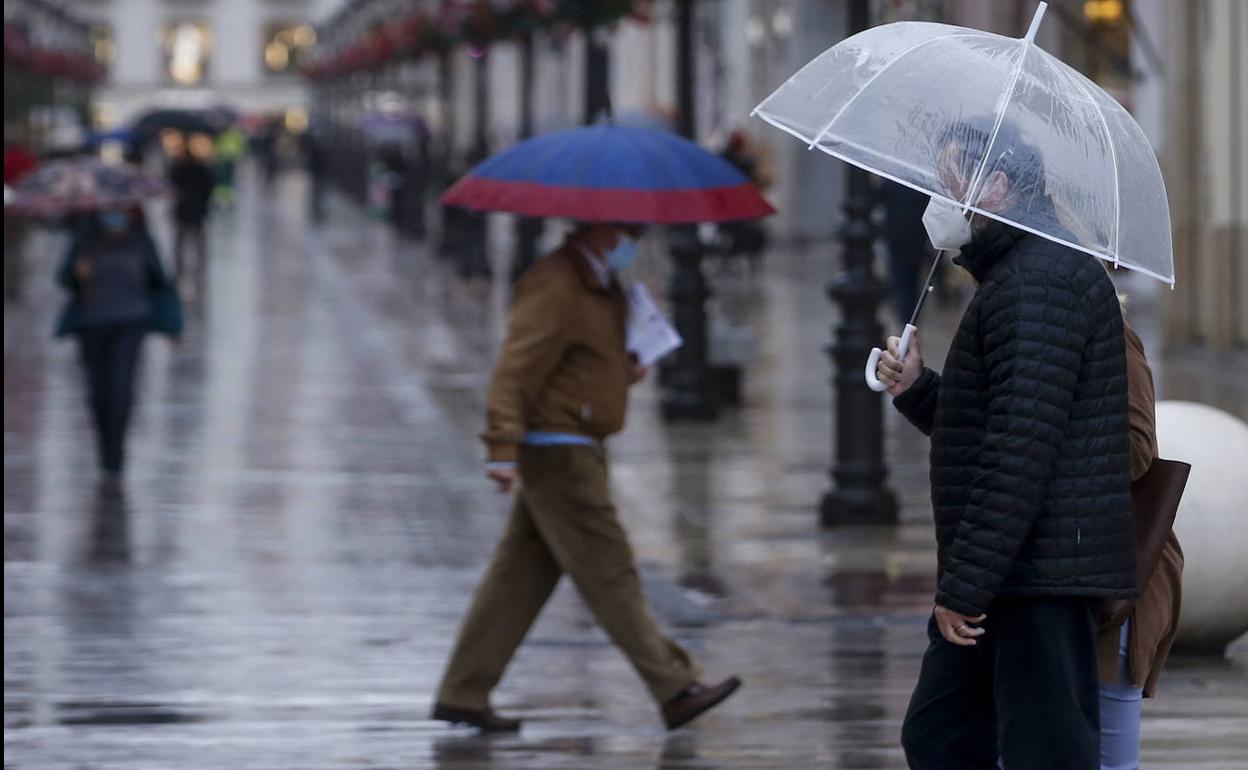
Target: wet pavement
[278,583]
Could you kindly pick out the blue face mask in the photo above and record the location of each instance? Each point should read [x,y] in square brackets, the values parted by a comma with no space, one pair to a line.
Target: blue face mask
[623,255]
[115,221]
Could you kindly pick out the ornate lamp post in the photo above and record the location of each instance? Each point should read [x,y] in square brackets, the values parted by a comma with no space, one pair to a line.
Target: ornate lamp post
[859,494]
[475,261]
[528,229]
[688,389]
[597,73]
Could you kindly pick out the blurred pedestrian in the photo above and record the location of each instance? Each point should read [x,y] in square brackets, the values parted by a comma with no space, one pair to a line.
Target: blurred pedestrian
[266,145]
[1031,485]
[908,249]
[230,148]
[118,293]
[18,162]
[193,184]
[559,389]
[416,184]
[316,163]
[746,237]
[1135,640]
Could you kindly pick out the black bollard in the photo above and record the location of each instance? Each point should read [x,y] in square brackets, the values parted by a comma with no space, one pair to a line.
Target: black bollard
[474,259]
[528,230]
[688,392]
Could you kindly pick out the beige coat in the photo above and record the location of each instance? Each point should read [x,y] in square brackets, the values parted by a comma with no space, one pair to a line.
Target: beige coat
[1155,616]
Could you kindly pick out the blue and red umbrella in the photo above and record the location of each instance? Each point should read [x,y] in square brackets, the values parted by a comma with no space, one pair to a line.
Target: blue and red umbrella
[610,173]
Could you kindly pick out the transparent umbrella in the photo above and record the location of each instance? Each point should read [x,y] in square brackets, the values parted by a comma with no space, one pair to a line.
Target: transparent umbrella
[941,108]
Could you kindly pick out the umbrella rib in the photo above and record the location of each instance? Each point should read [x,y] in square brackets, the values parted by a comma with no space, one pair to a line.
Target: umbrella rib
[881,71]
[996,128]
[1113,157]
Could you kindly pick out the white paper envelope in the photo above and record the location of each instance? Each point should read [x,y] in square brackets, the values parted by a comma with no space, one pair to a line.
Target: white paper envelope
[650,336]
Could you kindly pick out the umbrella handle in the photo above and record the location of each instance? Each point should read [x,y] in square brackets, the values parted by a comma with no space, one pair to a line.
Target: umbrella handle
[873,361]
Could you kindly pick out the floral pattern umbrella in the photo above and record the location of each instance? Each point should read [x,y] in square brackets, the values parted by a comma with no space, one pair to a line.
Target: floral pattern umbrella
[79,185]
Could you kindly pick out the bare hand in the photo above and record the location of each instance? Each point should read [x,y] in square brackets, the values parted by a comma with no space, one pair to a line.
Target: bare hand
[636,372]
[505,478]
[82,270]
[958,629]
[895,373]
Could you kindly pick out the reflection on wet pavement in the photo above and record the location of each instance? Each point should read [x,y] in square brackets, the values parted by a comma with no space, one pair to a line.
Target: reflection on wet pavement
[277,582]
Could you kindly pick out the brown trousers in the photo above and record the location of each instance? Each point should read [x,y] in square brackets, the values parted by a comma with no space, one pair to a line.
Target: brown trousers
[562,522]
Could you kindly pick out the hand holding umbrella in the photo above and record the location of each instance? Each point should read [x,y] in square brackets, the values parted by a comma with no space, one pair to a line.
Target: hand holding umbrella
[949,229]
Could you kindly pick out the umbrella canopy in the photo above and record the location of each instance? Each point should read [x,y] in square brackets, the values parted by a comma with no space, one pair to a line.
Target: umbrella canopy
[81,184]
[941,108]
[122,135]
[610,173]
[392,129]
[149,126]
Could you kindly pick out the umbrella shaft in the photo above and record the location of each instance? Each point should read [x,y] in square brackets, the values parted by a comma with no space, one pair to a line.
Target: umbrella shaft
[927,289]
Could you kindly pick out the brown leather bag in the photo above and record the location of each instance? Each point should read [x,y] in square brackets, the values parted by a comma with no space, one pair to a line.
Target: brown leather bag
[1155,500]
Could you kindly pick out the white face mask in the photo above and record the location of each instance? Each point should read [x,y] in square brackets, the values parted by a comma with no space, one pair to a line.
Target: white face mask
[946,226]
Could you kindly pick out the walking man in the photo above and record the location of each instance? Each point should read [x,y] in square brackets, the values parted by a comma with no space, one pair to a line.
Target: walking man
[560,387]
[1030,487]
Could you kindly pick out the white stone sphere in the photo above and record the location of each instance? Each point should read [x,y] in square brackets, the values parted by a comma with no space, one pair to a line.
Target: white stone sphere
[1212,522]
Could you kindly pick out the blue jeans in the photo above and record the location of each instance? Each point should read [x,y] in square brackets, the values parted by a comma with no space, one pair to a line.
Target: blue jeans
[1120,716]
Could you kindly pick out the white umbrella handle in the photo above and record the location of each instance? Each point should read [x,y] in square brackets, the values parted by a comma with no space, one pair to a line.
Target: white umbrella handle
[873,361]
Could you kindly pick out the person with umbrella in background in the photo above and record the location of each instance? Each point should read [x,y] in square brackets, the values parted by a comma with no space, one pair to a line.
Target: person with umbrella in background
[908,250]
[118,290]
[193,185]
[1136,636]
[231,146]
[118,293]
[746,237]
[561,387]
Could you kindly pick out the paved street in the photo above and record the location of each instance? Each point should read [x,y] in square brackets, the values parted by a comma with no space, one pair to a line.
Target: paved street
[304,518]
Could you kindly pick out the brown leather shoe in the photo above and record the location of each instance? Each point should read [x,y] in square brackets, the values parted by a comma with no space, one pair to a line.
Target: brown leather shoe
[486,721]
[696,699]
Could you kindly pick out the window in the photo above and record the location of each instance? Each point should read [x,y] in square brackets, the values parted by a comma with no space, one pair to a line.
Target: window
[102,46]
[188,45]
[285,46]
[1108,45]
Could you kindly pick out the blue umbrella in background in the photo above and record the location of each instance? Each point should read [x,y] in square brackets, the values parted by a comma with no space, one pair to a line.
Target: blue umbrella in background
[610,173]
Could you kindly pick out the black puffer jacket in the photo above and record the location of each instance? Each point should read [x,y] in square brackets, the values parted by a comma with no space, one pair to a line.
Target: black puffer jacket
[1029,466]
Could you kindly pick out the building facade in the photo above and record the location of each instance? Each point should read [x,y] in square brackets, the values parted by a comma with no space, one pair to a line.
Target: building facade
[243,54]
[1179,67]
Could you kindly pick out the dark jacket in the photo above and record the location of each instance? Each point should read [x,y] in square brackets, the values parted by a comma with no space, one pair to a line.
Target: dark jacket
[166,308]
[193,183]
[1029,461]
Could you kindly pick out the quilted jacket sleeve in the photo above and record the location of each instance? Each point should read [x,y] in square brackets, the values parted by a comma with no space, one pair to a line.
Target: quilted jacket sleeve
[918,403]
[1033,338]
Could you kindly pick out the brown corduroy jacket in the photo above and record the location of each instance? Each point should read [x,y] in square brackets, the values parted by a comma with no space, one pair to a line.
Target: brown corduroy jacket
[564,367]
[1155,616]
